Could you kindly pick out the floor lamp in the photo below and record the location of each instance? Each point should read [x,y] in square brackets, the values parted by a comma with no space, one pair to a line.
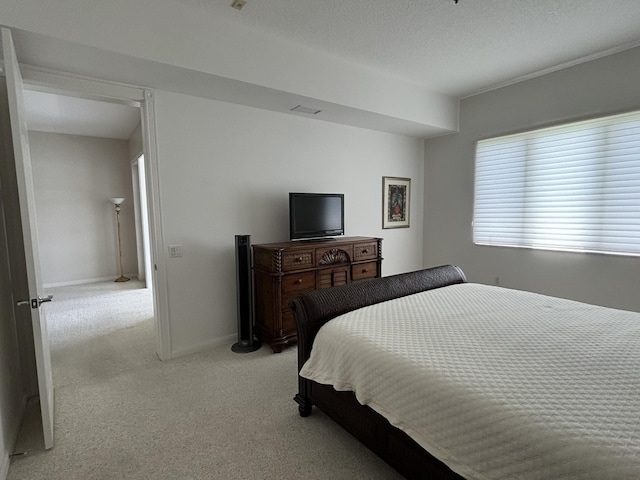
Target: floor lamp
[117,202]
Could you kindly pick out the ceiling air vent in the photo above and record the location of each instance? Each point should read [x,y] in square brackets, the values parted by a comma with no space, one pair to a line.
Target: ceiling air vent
[303,109]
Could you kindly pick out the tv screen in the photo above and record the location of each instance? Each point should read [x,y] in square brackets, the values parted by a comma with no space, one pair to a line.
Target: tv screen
[315,215]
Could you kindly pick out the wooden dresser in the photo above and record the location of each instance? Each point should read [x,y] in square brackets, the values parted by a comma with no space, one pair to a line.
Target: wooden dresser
[282,270]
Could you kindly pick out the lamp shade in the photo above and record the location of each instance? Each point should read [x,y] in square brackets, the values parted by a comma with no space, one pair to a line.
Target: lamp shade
[117,200]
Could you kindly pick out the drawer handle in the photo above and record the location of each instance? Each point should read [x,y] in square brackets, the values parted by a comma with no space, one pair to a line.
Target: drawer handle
[365,251]
[298,281]
[299,259]
[365,270]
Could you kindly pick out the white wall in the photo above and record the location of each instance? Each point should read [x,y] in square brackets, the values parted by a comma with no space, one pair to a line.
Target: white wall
[73,177]
[226,169]
[607,85]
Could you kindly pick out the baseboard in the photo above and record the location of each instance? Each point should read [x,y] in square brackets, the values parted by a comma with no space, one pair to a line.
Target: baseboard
[86,280]
[4,466]
[204,346]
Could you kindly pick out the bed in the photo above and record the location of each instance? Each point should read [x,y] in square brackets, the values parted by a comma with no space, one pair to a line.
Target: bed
[447,379]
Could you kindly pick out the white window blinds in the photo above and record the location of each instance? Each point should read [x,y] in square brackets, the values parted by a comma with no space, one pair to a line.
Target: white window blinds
[572,187]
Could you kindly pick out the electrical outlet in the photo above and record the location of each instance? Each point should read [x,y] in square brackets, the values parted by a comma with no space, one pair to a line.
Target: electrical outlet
[238,4]
[175,251]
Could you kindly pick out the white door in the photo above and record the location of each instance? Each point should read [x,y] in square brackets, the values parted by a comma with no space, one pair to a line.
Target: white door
[27,213]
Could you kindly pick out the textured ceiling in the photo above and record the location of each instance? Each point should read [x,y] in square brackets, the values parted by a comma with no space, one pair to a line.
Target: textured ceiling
[453,49]
[447,48]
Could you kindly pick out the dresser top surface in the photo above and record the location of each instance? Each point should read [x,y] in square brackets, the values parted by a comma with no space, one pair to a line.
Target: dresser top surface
[306,244]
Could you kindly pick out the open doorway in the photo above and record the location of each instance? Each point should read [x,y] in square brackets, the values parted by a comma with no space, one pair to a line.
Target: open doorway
[84,152]
[98,328]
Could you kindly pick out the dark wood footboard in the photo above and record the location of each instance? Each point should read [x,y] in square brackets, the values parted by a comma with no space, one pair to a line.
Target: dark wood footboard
[390,443]
[314,309]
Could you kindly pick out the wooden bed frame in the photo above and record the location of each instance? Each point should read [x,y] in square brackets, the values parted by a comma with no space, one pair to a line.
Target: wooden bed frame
[312,310]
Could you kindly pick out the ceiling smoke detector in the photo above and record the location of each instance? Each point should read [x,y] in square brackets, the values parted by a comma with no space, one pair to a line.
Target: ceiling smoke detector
[238,4]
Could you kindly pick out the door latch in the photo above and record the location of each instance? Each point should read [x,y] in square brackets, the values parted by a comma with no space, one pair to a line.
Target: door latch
[35,302]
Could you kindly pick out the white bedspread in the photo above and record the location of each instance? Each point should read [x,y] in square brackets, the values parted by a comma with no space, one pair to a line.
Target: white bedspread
[497,383]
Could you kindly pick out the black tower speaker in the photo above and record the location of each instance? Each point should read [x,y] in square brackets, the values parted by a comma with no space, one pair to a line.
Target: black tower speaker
[246,343]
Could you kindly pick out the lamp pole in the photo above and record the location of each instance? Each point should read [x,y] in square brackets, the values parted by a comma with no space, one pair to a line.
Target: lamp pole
[117,202]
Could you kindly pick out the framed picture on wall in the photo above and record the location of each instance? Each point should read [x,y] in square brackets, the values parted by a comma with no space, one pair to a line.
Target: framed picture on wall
[395,202]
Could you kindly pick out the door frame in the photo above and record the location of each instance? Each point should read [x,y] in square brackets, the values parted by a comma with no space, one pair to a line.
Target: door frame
[141,215]
[45,80]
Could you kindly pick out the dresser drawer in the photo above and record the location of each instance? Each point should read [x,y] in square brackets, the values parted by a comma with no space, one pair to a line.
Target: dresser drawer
[364,270]
[297,260]
[298,281]
[333,277]
[365,251]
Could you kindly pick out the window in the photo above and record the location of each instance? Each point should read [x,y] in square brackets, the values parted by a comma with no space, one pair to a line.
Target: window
[574,187]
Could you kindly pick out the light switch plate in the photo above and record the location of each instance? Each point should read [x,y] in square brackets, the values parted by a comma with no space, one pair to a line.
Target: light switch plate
[175,251]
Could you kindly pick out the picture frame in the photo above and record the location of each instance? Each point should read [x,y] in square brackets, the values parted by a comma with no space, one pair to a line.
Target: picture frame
[395,202]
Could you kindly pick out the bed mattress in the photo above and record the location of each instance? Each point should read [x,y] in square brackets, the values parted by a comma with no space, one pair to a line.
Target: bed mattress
[496,383]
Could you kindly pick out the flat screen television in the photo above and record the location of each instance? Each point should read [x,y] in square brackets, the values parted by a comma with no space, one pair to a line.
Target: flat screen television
[315,215]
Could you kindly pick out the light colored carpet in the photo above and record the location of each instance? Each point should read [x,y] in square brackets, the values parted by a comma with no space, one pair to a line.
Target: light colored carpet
[123,414]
